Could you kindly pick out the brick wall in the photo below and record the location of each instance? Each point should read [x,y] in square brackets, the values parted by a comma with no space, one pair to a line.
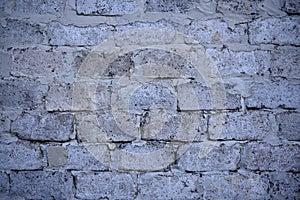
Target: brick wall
[149,99]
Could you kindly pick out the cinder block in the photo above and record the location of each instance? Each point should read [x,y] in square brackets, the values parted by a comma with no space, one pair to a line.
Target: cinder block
[263,156]
[111,185]
[220,157]
[105,7]
[20,156]
[281,31]
[255,125]
[44,127]
[42,184]
[170,185]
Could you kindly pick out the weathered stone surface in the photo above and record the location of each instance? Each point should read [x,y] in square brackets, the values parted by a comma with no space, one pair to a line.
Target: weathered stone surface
[289,125]
[222,186]
[262,156]
[217,32]
[77,36]
[111,185]
[47,126]
[42,184]
[4,124]
[21,33]
[282,31]
[232,63]
[177,6]
[283,185]
[5,64]
[4,183]
[273,94]
[20,156]
[20,95]
[39,7]
[285,62]
[47,64]
[170,185]
[246,7]
[255,125]
[57,156]
[105,7]
[59,98]
[219,157]
[80,158]
[292,6]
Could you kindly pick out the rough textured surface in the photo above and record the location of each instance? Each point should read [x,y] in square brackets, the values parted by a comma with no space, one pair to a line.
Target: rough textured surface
[152,99]
[41,185]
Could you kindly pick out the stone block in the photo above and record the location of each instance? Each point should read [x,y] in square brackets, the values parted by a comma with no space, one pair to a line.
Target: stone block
[20,95]
[263,156]
[105,7]
[20,156]
[17,32]
[176,6]
[39,7]
[59,97]
[246,7]
[110,185]
[44,126]
[292,6]
[289,125]
[285,62]
[221,186]
[231,63]
[217,157]
[170,185]
[281,31]
[4,183]
[47,64]
[255,125]
[283,185]
[273,94]
[217,32]
[77,36]
[42,184]
[5,64]
[57,156]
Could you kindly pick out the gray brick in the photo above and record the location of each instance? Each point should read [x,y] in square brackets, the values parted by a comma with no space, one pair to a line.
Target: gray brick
[262,156]
[47,126]
[42,184]
[283,185]
[18,32]
[280,31]
[175,6]
[47,64]
[5,64]
[246,7]
[289,125]
[20,156]
[57,156]
[292,6]
[20,95]
[221,186]
[219,157]
[286,62]
[4,183]
[273,94]
[111,185]
[250,126]
[39,7]
[77,36]
[217,32]
[59,97]
[105,7]
[232,63]
[170,185]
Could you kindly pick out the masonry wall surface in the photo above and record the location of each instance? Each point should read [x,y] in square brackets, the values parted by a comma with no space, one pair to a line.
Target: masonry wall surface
[120,139]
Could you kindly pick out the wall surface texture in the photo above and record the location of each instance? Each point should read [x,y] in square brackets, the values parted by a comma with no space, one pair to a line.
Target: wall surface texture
[149,99]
